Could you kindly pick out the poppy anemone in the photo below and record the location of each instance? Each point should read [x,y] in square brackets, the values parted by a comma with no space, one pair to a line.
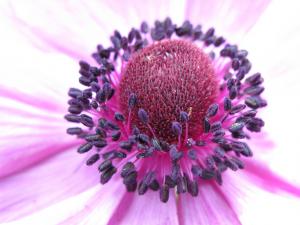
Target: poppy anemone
[168,115]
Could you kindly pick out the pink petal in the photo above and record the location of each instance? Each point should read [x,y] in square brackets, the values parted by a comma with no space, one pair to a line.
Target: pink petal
[53,26]
[67,20]
[253,202]
[33,131]
[231,18]
[211,206]
[53,180]
[268,180]
[146,209]
[98,209]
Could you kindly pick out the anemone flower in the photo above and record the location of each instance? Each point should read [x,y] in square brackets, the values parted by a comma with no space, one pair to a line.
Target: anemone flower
[176,111]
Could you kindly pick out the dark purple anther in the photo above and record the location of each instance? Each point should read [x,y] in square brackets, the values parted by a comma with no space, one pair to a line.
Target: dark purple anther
[92,137]
[235,127]
[72,118]
[115,135]
[74,130]
[74,92]
[242,54]
[85,148]
[156,144]
[94,104]
[143,116]
[185,29]
[207,174]
[237,108]
[215,126]
[107,175]
[85,81]
[132,101]
[86,120]
[95,87]
[231,164]
[94,158]
[119,117]
[227,104]
[193,188]
[100,96]
[233,92]
[212,110]
[254,90]
[192,154]
[206,125]
[197,32]
[181,185]
[116,42]
[255,79]
[184,116]
[253,102]
[106,164]
[143,138]
[144,27]
[209,33]
[101,143]
[196,170]
[219,41]
[84,65]
[175,154]
[235,64]
[75,109]
[87,93]
[106,89]
[128,168]
[126,56]
[176,128]
[219,152]
[154,185]
[127,145]
[142,188]
[164,193]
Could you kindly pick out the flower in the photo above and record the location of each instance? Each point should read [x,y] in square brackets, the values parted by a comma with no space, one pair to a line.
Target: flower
[42,175]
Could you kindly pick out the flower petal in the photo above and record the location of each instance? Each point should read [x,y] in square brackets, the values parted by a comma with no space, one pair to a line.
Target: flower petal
[251,200]
[53,26]
[268,180]
[231,18]
[209,207]
[32,130]
[55,179]
[99,208]
[134,209]
[51,22]
[116,206]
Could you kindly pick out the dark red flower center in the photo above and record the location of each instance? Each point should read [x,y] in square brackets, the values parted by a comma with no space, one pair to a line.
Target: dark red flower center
[168,77]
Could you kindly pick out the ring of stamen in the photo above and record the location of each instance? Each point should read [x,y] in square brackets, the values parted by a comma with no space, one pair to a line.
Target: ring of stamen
[132,124]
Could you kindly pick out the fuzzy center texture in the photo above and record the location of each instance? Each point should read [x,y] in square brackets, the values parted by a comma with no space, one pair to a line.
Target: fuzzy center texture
[168,77]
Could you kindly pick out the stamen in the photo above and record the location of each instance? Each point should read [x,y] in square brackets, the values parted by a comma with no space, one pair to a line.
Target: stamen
[162,101]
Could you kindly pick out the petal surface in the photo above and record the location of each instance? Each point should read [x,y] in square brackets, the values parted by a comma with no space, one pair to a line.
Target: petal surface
[231,18]
[209,207]
[134,209]
[50,181]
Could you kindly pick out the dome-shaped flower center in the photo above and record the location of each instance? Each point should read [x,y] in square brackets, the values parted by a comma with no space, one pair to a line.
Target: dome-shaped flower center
[169,77]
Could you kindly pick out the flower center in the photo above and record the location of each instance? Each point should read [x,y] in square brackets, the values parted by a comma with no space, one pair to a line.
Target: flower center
[168,77]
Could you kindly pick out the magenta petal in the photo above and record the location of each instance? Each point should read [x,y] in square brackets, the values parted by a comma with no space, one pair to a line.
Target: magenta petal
[209,207]
[146,210]
[99,208]
[233,18]
[24,156]
[53,180]
[264,177]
